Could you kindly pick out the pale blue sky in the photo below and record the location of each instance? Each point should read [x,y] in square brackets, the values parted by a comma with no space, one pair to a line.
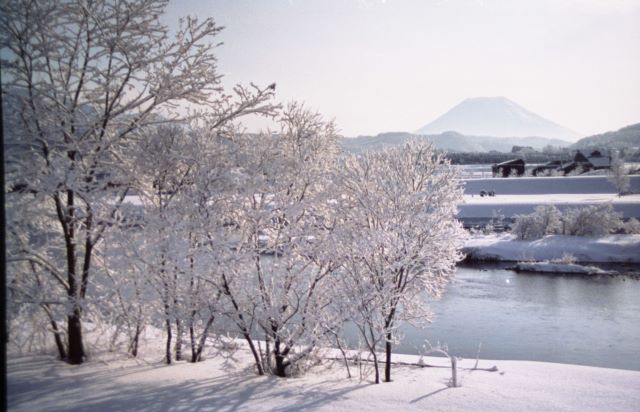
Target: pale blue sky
[395,65]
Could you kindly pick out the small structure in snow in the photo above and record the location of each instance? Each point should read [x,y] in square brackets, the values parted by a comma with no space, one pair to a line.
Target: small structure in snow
[549,167]
[506,169]
[580,163]
[595,161]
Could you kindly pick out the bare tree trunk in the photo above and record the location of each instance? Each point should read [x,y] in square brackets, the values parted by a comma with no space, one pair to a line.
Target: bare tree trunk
[280,359]
[179,332]
[168,349]
[256,356]
[344,354]
[135,342]
[372,350]
[178,346]
[167,314]
[280,366]
[57,332]
[76,348]
[454,372]
[192,339]
[66,216]
[387,366]
[62,352]
[267,350]
[375,366]
[203,339]
[388,328]
[241,324]
[167,308]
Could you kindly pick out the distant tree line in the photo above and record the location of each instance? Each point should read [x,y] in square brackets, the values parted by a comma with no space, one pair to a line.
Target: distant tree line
[468,158]
[459,158]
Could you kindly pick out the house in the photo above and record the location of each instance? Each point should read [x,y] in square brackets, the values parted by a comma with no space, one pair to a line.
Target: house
[582,163]
[553,166]
[508,168]
[598,161]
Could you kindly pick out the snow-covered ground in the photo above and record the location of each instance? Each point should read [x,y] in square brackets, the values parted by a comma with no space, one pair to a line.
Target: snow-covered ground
[521,195]
[510,205]
[504,246]
[40,383]
[547,185]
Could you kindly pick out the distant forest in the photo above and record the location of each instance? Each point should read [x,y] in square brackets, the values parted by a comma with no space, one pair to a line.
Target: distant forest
[465,158]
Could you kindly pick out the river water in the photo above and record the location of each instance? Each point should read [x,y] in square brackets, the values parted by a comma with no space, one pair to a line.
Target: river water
[553,318]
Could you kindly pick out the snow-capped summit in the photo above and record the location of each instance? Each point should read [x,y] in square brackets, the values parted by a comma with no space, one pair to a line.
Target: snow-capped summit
[496,116]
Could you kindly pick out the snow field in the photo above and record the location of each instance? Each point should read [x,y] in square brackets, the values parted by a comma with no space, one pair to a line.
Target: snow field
[522,195]
[510,205]
[109,383]
[547,185]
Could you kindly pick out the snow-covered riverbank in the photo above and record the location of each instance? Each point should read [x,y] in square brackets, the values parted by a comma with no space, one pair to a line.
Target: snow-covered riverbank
[504,247]
[105,384]
[567,268]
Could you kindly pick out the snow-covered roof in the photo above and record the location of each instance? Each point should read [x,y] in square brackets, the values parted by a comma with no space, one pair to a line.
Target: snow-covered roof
[600,161]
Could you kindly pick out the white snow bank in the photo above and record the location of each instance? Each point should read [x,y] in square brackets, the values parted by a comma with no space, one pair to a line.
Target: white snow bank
[552,267]
[42,383]
[510,205]
[612,248]
[555,199]
[547,185]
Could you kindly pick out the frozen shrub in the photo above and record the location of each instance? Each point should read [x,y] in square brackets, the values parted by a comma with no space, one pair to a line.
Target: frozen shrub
[545,220]
[632,226]
[526,227]
[549,219]
[596,220]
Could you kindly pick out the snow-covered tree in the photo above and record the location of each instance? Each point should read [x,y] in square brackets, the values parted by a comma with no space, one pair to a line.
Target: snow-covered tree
[33,286]
[266,234]
[595,220]
[619,175]
[397,237]
[632,226]
[164,160]
[545,220]
[85,78]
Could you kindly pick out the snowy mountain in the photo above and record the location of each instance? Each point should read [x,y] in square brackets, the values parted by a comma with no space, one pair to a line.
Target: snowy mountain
[449,141]
[496,116]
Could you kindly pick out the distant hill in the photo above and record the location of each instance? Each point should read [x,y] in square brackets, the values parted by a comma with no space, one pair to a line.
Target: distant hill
[449,141]
[496,116]
[626,138]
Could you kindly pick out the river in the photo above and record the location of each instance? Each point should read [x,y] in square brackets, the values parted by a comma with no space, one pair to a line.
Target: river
[553,318]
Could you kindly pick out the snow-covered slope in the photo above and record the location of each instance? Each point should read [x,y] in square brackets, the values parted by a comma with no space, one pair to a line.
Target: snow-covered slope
[496,116]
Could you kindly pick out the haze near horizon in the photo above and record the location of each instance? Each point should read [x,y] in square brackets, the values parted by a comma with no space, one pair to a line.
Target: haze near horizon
[396,65]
